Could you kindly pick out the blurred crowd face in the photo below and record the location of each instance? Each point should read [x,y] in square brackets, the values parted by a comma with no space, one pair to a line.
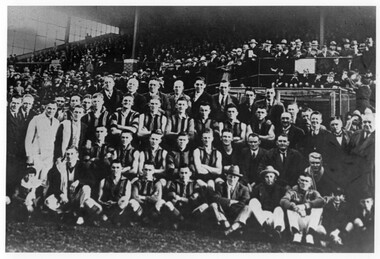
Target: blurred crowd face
[232,179]
[293,110]
[232,113]
[148,172]
[97,103]
[116,169]
[182,106]
[100,133]
[184,174]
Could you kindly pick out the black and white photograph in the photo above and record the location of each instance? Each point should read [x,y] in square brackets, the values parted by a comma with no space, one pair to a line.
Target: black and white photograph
[189,128]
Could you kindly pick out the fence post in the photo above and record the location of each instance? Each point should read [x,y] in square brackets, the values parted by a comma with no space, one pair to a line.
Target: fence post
[258,72]
[340,101]
[333,103]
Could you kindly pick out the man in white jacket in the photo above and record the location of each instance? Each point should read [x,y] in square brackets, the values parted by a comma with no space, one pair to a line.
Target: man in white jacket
[39,140]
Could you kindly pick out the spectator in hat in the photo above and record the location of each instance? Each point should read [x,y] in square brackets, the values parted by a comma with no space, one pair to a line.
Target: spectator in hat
[212,72]
[333,49]
[303,207]
[230,201]
[265,203]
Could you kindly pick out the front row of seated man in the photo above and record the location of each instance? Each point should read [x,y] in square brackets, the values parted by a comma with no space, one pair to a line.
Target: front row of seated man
[227,203]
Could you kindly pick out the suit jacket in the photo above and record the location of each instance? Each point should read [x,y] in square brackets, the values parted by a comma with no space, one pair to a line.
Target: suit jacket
[246,112]
[15,136]
[57,179]
[114,102]
[205,97]
[250,166]
[63,139]
[295,135]
[290,170]
[219,111]
[240,193]
[315,143]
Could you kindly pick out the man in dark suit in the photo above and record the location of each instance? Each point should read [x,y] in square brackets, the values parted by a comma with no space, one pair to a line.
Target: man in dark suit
[230,201]
[337,159]
[222,100]
[289,162]
[250,159]
[315,140]
[14,144]
[295,134]
[247,108]
[199,96]
[26,113]
[112,96]
[362,149]
[139,101]
[154,90]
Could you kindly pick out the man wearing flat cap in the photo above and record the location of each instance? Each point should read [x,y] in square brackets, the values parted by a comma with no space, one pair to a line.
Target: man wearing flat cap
[229,202]
[265,203]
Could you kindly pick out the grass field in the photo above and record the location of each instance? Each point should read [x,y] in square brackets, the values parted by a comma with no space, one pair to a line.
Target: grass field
[44,236]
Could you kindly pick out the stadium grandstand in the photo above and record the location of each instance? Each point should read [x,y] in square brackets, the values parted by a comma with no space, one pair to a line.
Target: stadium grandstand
[130,116]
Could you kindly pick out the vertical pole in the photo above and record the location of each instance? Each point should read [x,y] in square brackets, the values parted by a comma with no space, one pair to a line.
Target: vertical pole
[321,26]
[135,32]
[67,31]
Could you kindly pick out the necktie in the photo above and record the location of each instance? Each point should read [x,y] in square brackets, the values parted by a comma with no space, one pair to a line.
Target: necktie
[253,155]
